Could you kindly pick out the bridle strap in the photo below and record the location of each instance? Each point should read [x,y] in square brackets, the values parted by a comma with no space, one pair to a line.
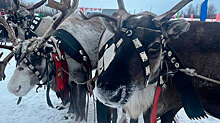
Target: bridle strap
[141,50]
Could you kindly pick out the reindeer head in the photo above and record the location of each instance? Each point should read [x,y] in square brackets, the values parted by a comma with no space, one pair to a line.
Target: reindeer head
[34,56]
[32,66]
[21,17]
[18,14]
[131,58]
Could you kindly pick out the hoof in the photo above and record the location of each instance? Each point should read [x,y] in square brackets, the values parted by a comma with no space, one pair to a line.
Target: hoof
[69,116]
[61,106]
[72,118]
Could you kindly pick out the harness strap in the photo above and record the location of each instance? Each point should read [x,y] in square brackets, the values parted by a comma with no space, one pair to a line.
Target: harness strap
[32,25]
[129,35]
[32,68]
[189,97]
[141,50]
[70,45]
[35,22]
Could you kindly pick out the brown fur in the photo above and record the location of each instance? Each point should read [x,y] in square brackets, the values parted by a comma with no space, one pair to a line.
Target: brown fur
[199,48]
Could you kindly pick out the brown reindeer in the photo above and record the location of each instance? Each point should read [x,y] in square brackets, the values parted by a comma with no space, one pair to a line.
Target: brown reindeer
[130,59]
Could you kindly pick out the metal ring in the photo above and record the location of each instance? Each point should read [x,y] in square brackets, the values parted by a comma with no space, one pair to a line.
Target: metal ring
[129,33]
[173,60]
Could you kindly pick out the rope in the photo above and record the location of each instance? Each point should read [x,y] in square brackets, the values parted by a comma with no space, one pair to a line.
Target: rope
[95,110]
[80,83]
[48,91]
[192,72]
[87,107]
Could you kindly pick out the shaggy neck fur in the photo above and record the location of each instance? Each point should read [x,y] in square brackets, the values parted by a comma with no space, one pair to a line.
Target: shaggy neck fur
[140,101]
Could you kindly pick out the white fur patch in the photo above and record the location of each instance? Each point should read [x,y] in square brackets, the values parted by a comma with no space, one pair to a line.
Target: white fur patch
[140,101]
[19,83]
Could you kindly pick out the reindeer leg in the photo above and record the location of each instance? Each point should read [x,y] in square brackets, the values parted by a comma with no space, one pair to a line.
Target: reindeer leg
[81,102]
[115,115]
[133,120]
[72,107]
[146,116]
[168,117]
[103,113]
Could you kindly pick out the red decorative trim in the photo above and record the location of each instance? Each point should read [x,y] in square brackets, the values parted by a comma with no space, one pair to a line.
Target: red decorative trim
[65,76]
[61,76]
[153,118]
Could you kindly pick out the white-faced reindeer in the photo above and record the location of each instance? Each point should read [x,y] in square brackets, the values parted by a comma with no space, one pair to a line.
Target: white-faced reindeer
[35,61]
[24,24]
[88,39]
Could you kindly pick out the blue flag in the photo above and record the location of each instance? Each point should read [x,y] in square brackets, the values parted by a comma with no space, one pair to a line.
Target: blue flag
[203,14]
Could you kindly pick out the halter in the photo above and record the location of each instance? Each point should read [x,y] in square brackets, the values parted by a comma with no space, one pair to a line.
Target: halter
[31,66]
[39,75]
[32,24]
[129,35]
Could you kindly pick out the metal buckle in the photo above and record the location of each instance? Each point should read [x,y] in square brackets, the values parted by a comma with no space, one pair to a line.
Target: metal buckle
[129,33]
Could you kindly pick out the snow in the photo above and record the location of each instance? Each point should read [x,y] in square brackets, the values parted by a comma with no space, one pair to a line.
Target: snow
[34,109]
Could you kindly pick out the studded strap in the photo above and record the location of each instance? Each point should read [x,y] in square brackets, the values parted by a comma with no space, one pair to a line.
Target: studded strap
[173,58]
[32,68]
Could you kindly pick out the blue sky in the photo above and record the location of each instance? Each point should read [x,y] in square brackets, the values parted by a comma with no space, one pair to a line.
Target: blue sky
[157,6]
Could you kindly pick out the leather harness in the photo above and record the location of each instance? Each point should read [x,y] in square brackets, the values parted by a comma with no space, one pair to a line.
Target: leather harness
[32,24]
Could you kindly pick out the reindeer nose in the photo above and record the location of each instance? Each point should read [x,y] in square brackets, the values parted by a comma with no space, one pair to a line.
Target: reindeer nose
[18,89]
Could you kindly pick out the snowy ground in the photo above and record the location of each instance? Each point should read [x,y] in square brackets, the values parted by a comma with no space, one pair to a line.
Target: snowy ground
[33,108]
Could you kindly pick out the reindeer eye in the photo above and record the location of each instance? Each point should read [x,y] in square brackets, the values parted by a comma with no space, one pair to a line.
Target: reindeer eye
[156,45]
[154,50]
[35,59]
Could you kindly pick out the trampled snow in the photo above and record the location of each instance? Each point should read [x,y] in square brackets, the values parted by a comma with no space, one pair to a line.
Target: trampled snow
[34,109]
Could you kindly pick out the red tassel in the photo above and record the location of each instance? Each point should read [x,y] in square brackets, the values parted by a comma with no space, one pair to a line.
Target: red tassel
[59,74]
[65,76]
[153,118]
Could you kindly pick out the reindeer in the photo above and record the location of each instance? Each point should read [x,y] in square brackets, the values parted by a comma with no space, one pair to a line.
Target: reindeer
[25,23]
[130,63]
[79,69]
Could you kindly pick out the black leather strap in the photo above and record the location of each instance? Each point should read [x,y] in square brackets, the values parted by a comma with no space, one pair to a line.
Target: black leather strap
[73,48]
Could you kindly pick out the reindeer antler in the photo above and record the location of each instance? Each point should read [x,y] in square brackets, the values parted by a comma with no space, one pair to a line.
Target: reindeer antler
[16,5]
[11,33]
[3,65]
[92,15]
[66,10]
[121,5]
[159,20]
[12,38]
[35,6]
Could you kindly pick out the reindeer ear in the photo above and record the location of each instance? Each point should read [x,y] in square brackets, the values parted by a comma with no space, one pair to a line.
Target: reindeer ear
[175,28]
[109,25]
